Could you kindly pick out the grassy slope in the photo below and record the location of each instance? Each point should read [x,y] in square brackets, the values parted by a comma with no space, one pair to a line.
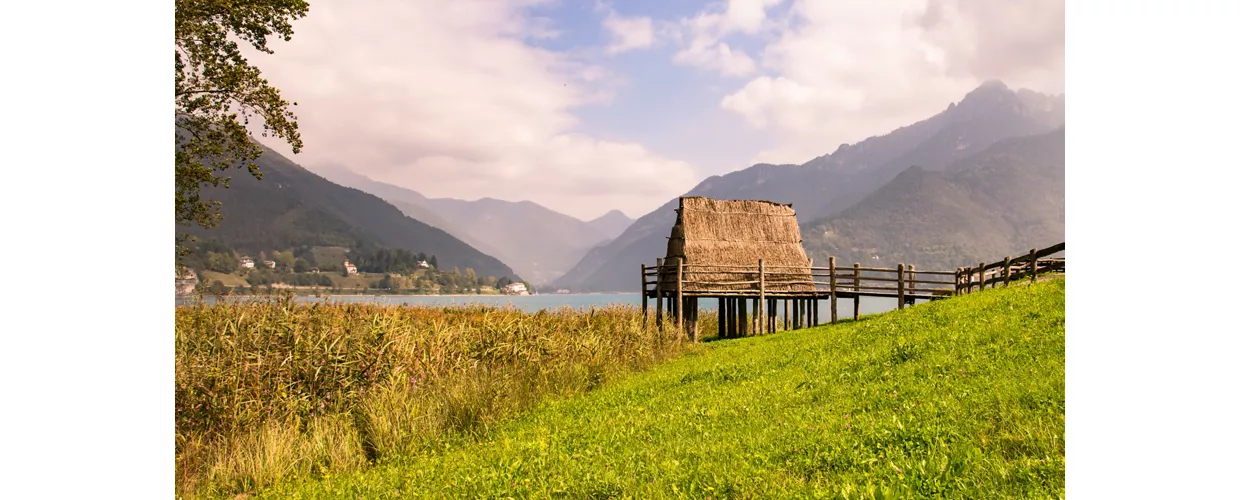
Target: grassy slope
[961,398]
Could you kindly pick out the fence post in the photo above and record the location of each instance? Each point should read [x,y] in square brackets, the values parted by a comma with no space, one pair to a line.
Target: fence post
[831,265]
[981,276]
[761,296]
[680,295]
[856,291]
[757,308]
[658,293]
[693,318]
[771,305]
[742,321]
[645,299]
[1007,270]
[900,286]
[912,279]
[1033,265]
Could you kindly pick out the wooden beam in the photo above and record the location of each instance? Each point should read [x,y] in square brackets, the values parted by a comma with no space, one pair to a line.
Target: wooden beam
[693,318]
[834,313]
[732,317]
[771,304]
[761,298]
[680,295]
[645,300]
[811,312]
[856,285]
[900,286]
[658,293]
[1033,265]
[912,279]
[743,321]
[1007,270]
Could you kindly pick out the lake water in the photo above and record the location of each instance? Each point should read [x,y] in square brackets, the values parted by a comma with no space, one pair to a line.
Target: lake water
[534,303]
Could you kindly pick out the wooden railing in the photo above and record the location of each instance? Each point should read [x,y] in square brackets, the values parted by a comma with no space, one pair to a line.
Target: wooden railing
[1030,265]
[805,286]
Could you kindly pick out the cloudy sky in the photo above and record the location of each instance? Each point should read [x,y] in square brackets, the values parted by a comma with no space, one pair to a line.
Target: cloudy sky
[584,106]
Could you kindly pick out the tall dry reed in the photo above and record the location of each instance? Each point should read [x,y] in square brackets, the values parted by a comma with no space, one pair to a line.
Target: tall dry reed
[270,390]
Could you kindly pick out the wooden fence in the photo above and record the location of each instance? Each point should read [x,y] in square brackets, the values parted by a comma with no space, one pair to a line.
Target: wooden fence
[802,288]
[1009,269]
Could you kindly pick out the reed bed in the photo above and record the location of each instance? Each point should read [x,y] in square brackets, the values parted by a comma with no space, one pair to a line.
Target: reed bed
[273,390]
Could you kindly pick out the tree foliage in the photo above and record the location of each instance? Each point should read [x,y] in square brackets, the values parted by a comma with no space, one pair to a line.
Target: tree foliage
[218,93]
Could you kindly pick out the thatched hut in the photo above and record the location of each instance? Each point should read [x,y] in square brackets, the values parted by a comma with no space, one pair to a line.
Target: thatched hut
[716,239]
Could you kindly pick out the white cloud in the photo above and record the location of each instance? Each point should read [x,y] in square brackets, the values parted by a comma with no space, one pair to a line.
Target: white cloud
[847,70]
[628,33]
[447,98]
[707,30]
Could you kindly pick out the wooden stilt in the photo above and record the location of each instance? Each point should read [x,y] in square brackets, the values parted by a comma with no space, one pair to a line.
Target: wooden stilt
[900,286]
[912,283]
[658,293]
[760,318]
[743,317]
[723,320]
[680,294]
[857,290]
[645,298]
[771,304]
[834,312]
[1033,265]
[693,318]
[817,319]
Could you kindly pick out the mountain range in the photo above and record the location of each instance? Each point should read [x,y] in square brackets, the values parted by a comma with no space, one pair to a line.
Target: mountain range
[1004,200]
[830,184]
[539,243]
[981,179]
[293,207]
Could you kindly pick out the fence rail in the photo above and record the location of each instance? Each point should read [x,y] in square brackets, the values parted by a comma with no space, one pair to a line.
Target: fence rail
[801,288]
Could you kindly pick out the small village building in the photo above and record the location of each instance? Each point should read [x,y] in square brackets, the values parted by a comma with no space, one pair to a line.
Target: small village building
[186,280]
[270,264]
[247,263]
[423,264]
[515,289]
[349,268]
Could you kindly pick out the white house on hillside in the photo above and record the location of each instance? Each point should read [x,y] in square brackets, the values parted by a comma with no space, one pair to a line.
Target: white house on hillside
[349,268]
[515,289]
[247,263]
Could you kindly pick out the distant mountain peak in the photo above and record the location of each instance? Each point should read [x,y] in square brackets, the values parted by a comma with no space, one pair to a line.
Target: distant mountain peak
[612,214]
[989,92]
[611,224]
[993,84]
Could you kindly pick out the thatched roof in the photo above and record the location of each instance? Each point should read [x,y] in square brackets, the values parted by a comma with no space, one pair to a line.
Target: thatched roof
[721,233]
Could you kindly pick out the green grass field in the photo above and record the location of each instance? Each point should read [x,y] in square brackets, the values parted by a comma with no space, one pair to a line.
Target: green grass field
[269,391]
[962,398]
[227,279]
